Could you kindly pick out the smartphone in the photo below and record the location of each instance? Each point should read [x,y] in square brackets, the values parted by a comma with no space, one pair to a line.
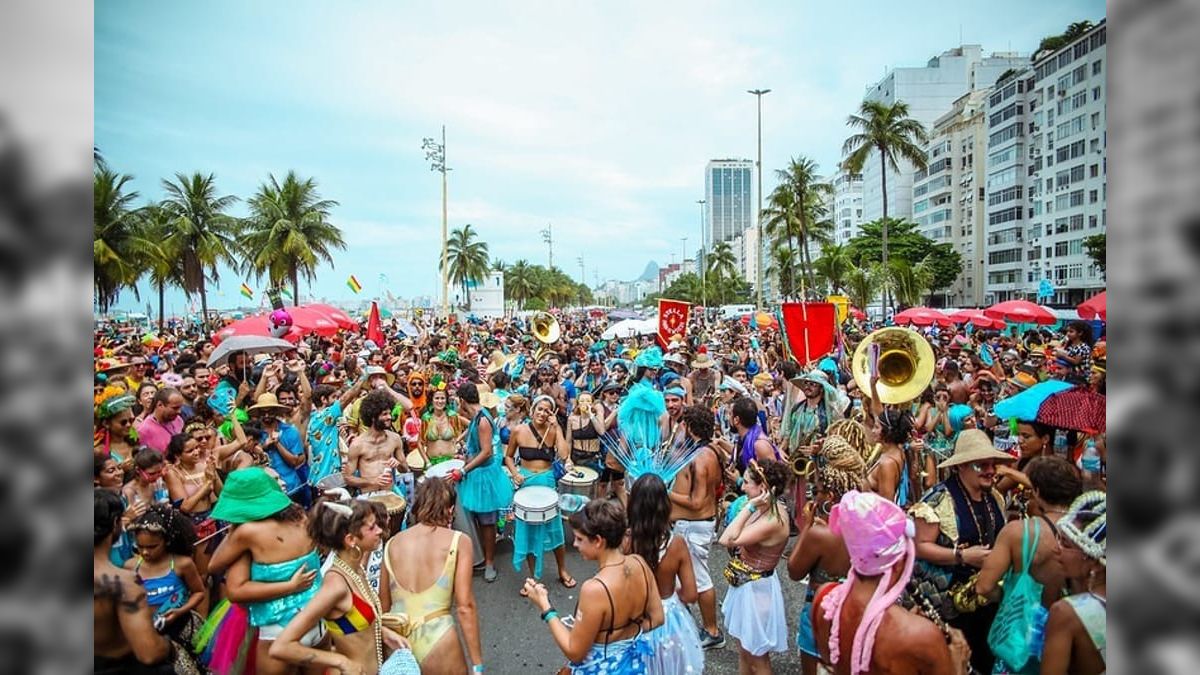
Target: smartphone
[874,364]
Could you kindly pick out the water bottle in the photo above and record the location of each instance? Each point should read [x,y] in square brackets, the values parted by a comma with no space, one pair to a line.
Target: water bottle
[1060,444]
[1089,461]
[161,495]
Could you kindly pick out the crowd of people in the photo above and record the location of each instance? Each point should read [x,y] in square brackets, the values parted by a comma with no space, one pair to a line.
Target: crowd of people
[330,506]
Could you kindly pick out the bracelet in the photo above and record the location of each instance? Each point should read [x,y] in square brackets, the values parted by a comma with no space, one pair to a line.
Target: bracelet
[958,556]
[549,614]
[750,508]
[477,668]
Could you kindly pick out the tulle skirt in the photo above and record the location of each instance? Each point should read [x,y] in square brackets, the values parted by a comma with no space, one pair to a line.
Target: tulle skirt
[226,642]
[486,489]
[676,643]
[536,539]
[755,615]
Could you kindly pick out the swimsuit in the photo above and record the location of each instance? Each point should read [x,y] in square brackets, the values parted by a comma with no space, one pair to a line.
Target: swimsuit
[429,609]
[360,617]
[163,593]
[629,656]
[278,611]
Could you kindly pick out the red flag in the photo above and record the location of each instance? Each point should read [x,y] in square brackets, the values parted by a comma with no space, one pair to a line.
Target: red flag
[672,320]
[374,329]
[809,329]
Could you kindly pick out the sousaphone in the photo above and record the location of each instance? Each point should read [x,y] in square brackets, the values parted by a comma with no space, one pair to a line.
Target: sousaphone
[905,367]
[545,329]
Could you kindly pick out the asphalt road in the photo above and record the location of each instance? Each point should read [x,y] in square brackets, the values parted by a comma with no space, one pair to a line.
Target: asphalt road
[515,641]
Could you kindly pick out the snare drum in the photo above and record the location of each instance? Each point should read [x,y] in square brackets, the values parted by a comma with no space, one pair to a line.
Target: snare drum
[579,481]
[535,504]
[444,469]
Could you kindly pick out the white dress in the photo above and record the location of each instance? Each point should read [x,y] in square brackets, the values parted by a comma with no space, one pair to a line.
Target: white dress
[755,615]
[677,647]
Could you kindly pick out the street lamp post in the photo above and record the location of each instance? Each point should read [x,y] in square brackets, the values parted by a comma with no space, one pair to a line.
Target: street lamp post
[436,154]
[758,93]
[683,260]
[703,263]
[548,237]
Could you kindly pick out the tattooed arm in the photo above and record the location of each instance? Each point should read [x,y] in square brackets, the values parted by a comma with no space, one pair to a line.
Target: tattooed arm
[134,616]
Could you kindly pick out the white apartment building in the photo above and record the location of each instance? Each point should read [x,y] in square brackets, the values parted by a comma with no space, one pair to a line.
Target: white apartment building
[1008,186]
[929,92]
[948,196]
[1070,166]
[847,208]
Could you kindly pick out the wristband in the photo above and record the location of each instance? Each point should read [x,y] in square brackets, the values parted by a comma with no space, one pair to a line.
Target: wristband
[750,508]
[958,556]
[549,614]
[477,668]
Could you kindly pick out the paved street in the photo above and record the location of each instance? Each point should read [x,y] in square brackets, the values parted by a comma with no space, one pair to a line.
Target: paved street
[516,641]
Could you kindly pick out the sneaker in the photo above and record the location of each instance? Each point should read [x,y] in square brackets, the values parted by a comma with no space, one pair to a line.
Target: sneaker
[710,641]
[490,574]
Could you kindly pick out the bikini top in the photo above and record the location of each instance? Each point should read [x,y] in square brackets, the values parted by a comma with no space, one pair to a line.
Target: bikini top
[359,618]
[446,434]
[612,609]
[585,433]
[543,454]
[165,592]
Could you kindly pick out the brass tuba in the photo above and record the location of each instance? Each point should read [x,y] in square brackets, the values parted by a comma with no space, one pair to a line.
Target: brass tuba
[905,365]
[544,327]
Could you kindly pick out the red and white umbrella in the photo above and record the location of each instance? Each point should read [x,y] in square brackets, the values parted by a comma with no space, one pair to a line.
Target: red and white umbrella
[1095,307]
[922,316]
[339,317]
[1020,311]
[977,318]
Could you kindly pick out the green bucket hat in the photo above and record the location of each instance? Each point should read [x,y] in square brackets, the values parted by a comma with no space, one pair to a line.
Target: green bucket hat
[249,494]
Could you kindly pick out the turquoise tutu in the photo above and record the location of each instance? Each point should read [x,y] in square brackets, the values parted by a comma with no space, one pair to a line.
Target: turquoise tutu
[485,489]
[535,539]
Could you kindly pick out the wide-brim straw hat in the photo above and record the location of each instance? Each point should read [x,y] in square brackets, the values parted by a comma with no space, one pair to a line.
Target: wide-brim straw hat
[703,361]
[489,400]
[674,358]
[379,370]
[973,445]
[498,361]
[268,402]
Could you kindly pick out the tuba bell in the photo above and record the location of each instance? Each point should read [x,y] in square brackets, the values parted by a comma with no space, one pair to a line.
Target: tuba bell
[905,365]
[545,329]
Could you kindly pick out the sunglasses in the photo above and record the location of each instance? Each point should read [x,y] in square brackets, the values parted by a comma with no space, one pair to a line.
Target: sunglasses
[980,466]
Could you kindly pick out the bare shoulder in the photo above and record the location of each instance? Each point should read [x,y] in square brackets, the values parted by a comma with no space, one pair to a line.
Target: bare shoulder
[119,586]
[1062,617]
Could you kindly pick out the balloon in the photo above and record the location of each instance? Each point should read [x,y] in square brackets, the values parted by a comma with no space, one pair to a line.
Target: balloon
[280,322]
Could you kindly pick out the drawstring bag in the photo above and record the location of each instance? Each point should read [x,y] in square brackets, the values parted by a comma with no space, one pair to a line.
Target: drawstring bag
[1012,637]
[401,662]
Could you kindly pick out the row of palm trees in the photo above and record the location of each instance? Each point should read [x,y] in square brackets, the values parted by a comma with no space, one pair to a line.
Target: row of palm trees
[180,240]
[533,286]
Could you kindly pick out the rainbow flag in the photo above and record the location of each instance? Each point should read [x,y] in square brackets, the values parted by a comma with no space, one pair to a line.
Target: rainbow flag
[353,284]
[247,292]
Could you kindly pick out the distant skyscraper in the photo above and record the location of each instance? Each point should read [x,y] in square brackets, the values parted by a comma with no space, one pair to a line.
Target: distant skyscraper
[730,204]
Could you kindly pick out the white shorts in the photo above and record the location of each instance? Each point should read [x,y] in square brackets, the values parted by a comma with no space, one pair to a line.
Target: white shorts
[699,536]
[310,639]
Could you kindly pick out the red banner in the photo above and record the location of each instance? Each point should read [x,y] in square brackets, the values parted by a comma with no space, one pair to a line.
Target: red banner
[809,329]
[672,320]
[374,327]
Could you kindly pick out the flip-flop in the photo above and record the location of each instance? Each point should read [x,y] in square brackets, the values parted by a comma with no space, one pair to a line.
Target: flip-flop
[568,582]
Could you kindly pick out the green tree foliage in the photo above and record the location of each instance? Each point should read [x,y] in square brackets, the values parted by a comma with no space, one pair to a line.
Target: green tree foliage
[1096,247]
[467,258]
[862,283]
[1053,43]
[115,265]
[906,244]
[200,230]
[534,287]
[832,266]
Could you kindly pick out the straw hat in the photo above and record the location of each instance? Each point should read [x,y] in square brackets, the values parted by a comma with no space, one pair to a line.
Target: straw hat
[109,365]
[703,361]
[674,358]
[497,361]
[973,445]
[267,402]
[489,400]
[379,370]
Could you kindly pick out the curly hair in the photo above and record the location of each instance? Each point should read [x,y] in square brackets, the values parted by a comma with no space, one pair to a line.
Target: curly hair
[1056,480]
[776,475]
[699,421]
[176,529]
[649,518]
[374,405]
[895,425]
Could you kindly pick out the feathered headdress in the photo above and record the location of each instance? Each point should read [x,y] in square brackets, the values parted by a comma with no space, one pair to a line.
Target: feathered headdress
[664,460]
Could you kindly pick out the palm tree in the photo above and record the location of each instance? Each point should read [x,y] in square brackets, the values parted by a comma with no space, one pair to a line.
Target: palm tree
[721,262]
[833,266]
[499,265]
[114,236]
[162,262]
[782,224]
[911,282]
[861,284]
[288,233]
[810,193]
[200,231]
[519,282]
[467,258]
[888,130]
[783,265]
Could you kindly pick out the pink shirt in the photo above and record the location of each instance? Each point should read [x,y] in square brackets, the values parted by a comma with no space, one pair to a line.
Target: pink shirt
[155,435]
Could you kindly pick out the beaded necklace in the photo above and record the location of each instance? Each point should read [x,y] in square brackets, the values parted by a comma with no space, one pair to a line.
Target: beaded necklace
[363,589]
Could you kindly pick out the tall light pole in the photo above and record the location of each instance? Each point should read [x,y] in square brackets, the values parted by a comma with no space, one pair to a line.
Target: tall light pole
[703,263]
[436,154]
[683,260]
[582,272]
[758,93]
[548,237]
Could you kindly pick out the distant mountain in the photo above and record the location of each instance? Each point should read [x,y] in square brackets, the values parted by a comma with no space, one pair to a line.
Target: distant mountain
[651,272]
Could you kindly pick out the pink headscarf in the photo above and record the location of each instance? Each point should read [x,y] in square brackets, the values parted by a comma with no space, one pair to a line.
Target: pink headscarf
[878,536]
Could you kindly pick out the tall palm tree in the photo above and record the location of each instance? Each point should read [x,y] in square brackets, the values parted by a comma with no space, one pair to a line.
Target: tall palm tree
[162,262]
[115,265]
[519,282]
[499,265]
[862,284]
[200,231]
[721,261]
[810,196]
[288,233]
[888,130]
[783,264]
[911,281]
[781,226]
[833,266]
[467,258]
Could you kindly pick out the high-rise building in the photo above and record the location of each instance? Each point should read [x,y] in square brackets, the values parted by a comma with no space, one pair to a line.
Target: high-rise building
[729,205]
[1063,159]
[948,196]
[929,92]
[847,209]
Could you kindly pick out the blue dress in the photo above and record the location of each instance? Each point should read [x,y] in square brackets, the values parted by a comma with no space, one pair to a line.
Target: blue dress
[535,539]
[486,488]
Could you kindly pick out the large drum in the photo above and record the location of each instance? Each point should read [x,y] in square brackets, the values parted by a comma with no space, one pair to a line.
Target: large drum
[416,463]
[579,481]
[395,505]
[535,504]
[444,469]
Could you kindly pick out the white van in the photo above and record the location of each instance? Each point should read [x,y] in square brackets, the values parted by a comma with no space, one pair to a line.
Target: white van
[735,311]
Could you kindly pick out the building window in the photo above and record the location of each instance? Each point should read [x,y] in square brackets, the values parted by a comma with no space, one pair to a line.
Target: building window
[1091,222]
[1077,222]
[1095,93]
[1096,68]
[1094,171]
[1093,196]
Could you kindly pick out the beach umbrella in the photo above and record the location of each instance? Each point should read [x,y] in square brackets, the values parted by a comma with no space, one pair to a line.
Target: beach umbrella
[1025,405]
[339,317]
[313,321]
[622,314]
[858,314]
[627,329]
[761,320]
[1095,307]
[1058,404]
[1021,311]
[408,328]
[977,318]
[257,325]
[250,344]
[921,316]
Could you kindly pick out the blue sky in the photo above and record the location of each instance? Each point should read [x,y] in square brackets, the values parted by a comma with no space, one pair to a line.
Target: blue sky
[596,117]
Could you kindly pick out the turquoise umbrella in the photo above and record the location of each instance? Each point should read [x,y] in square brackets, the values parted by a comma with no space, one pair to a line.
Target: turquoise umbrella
[1025,405]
